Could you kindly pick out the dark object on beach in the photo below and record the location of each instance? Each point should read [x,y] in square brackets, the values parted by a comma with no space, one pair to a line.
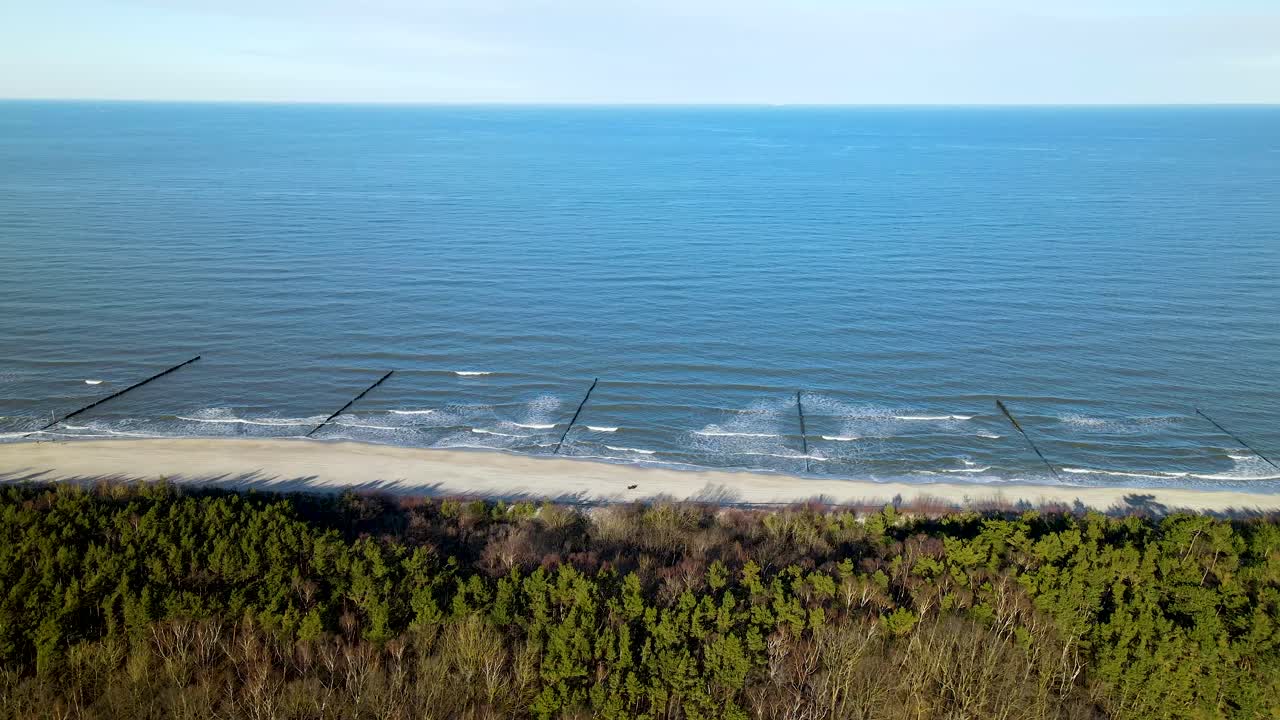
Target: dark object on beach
[350,403]
[1030,442]
[804,436]
[116,394]
[632,487]
[1246,445]
[575,416]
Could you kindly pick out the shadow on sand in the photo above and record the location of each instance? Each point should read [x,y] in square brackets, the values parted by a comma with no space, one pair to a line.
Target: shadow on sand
[719,495]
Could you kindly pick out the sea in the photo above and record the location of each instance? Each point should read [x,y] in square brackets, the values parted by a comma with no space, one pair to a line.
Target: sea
[1112,275]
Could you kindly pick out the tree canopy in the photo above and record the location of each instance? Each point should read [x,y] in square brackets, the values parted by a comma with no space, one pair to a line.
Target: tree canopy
[154,601]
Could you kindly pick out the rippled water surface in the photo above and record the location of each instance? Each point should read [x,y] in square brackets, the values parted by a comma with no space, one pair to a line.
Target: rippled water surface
[1104,272]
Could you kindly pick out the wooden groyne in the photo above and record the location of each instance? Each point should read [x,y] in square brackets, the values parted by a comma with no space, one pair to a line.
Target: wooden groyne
[804,434]
[576,413]
[1237,438]
[1030,442]
[350,402]
[114,395]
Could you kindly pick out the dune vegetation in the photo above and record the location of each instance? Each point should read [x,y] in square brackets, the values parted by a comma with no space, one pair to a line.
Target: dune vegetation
[153,601]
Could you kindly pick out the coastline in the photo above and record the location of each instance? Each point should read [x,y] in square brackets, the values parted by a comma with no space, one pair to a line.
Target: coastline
[301,465]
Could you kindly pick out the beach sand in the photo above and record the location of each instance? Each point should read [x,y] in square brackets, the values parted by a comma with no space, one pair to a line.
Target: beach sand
[302,465]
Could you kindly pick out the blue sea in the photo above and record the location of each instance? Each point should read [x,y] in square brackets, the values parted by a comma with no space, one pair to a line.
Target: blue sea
[1103,271]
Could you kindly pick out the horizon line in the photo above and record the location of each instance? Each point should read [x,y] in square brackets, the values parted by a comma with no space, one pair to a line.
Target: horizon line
[626,104]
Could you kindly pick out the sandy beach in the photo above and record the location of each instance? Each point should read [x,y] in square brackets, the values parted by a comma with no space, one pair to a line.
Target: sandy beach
[320,466]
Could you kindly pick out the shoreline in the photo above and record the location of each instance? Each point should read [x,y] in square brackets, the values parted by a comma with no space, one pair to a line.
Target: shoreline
[288,465]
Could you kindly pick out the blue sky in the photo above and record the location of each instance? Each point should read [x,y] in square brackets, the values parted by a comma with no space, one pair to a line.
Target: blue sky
[645,51]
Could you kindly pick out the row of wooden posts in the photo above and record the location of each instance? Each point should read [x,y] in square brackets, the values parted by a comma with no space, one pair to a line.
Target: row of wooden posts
[804,435]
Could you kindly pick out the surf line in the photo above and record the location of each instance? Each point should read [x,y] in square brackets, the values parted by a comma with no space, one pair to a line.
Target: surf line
[1235,437]
[1030,442]
[576,413]
[804,436]
[113,395]
[350,403]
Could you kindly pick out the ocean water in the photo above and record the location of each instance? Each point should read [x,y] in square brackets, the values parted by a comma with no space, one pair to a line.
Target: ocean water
[1103,271]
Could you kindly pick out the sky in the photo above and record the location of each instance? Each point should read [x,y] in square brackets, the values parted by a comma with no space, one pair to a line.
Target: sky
[645,51]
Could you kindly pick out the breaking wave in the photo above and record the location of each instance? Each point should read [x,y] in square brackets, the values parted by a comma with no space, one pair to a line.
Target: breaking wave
[269,422]
[728,433]
[482,431]
[634,450]
[1124,473]
[1166,475]
[787,456]
[340,423]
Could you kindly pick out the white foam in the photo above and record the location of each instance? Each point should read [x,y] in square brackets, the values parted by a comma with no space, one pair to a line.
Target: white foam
[634,450]
[471,373]
[1218,476]
[413,412]
[283,422]
[593,428]
[69,426]
[1122,473]
[784,455]
[990,436]
[639,461]
[840,438]
[127,434]
[1082,420]
[92,382]
[465,445]
[1172,475]
[482,431]
[1121,425]
[745,427]
[539,414]
[96,432]
[727,433]
[968,470]
[369,427]
[934,418]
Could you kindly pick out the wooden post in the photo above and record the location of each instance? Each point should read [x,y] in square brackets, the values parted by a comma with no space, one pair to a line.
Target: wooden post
[1237,439]
[350,403]
[578,412]
[1030,442]
[113,395]
[804,435]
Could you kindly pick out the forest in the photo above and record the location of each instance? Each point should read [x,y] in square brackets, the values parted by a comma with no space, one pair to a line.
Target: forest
[160,601]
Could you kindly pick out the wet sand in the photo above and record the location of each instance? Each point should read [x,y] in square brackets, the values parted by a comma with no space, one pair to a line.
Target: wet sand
[277,464]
